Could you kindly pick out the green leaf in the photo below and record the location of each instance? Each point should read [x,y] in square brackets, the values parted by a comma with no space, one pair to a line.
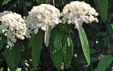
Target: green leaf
[107,40]
[68,52]
[104,63]
[102,34]
[84,43]
[58,38]
[40,1]
[56,53]
[109,27]
[13,56]
[111,45]
[5,2]
[103,8]
[0,31]
[2,42]
[36,48]
[92,50]
[31,40]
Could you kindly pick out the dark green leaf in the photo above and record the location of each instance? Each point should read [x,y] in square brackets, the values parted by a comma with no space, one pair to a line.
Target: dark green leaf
[56,55]
[68,52]
[104,63]
[2,42]
[0,31]
[5,2]
[40,1]
[92,50]
[36,48]
[13,56]
[58,38]
[110,28]
[107,40]
[102,34]
[84,43]
[111,45]
[103,8]
[31,41]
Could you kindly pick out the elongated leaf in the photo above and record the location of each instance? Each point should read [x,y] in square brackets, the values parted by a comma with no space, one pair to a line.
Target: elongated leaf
[58,38]
[109,27]
[111,45]
[13,56]
[68,52]
[2,42]
[5,2]
[31,41]
[0,31]
[103,8]
[40,1]
[36,48]
[84,43]
[107,40]
[56,55]
[104,63]
[102,34]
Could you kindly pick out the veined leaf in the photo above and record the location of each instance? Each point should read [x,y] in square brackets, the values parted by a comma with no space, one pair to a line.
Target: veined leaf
[84,43]
[103,8]
[56,55]
[36,48]
[13,56]
[5,2]
[104,63]
[58,38]
[68,52]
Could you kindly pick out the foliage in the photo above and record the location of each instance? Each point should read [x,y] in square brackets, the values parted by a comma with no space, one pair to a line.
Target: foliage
[69,49]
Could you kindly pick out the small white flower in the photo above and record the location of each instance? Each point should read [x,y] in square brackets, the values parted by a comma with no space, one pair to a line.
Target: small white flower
[13,26]
[78,12]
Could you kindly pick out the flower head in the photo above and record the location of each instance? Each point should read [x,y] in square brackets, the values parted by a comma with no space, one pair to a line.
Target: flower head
[13,26]
[42,16]
[78,12]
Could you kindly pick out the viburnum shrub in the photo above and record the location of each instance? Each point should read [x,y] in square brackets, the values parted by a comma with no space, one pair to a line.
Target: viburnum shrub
[48,28]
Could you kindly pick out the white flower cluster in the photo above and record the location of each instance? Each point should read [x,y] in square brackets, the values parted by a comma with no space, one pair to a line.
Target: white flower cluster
[78,12]
[42,16]
[13,26]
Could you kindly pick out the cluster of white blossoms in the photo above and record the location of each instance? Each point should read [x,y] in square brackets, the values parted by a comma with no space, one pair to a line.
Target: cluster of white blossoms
[13,27]
[78,12]
[42,16]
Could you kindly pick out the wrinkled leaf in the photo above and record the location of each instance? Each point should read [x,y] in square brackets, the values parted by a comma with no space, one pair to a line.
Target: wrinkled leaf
[13,56]
[36,48]
[58,38]
[68,52]
[56,53]
[103,8]
[84,43]
[104,63]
